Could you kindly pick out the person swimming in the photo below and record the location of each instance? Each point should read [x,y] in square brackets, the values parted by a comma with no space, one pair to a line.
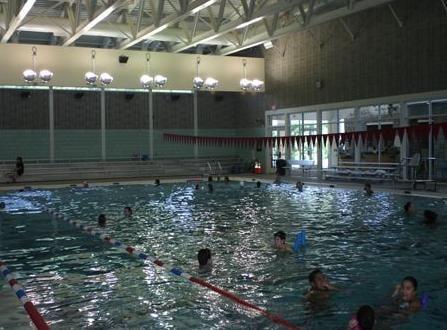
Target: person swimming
[197,186]
[127,212]
[204,258]
[157,182]
[409,209]
[364,319]
[280,242]
[210,187]
[258,184]
[368,190]
[299,186]
[102,221]
[318,283]
[430,217]
[227,180]
[2,206]
[405,294]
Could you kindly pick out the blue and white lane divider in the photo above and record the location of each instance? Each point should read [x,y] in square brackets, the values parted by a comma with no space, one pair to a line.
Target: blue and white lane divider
[141,255]
[19,291]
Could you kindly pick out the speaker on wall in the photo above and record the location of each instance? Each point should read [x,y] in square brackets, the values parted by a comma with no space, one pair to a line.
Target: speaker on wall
[25,94]
[175,97]
[123,58]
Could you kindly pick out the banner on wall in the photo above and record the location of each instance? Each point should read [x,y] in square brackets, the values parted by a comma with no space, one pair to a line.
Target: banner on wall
[385,134]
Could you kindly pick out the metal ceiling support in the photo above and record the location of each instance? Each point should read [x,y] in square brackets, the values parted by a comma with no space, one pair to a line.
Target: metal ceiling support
[140,15]
[444,4]
[17,19]
[393,12]
[98,18]
[347,29]
[238,23]
[159,13]
[262,37]
[350,4]
[309,12]
[171,19]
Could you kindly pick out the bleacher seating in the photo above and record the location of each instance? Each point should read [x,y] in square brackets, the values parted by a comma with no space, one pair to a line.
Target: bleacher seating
[89,170]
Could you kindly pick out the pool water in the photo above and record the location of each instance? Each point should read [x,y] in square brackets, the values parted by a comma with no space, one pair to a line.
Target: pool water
[365,245]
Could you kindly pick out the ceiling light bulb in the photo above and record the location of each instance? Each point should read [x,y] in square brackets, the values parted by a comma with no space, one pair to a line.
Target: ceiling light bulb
[29,75]
[197,83]
[211,83]
[45,75]
[105,79]
[160,80]
[146,81]
[257,85]
[245,84]
[91,78]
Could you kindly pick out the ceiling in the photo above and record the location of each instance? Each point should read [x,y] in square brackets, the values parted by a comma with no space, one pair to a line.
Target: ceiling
[220,27]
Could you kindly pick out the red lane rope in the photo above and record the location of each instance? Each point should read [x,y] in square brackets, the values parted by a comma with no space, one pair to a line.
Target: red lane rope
[274,318]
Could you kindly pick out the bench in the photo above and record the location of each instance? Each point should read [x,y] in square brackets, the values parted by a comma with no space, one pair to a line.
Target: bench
[364,172]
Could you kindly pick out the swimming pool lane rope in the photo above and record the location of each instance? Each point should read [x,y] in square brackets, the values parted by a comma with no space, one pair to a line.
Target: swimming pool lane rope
[19,291]
[98,233]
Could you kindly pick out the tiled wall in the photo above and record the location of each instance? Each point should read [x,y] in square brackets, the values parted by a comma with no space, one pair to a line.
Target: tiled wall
[24,123]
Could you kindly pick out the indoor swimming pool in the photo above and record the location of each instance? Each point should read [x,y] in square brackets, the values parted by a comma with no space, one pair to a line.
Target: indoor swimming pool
[365,245]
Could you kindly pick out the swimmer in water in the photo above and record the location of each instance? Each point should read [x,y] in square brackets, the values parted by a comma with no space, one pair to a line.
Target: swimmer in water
[409,209]
[227,180]
[197,186]
[318,283]
[157,182]
[405,294]
[127,212]
[210,187]
[2,205]
[368,190]
[280,242]
[299,186]
[364,319]
[258,184]
[102,221]
[204,258]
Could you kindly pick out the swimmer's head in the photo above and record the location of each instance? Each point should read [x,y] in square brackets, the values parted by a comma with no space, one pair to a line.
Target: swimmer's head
[280,239]
[318,280]
[258,184]
[102,220]
[127,211]
[367,186]
[430,217]
[157,182]
[85,184]
[197,186]
[2,205]
[408,208]
[204,257]
[242,183]
[409,288]
[210,187]
[210,178]
[227,179]
[366,317]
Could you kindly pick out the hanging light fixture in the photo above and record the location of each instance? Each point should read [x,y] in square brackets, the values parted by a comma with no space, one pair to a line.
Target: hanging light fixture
[105,79]
[247,84]
[91,77]
[30,75]
[147,81]
[211,83]
[197,82]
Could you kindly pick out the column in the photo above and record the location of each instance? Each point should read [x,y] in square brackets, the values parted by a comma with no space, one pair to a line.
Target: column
[196,124]
[358,145]
[288,154]
[404,148]
[430,141]
[320,145]
[103,124]
[151,124]
[51,121]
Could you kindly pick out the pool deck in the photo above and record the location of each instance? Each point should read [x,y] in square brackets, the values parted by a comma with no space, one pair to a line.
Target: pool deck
[400,189]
